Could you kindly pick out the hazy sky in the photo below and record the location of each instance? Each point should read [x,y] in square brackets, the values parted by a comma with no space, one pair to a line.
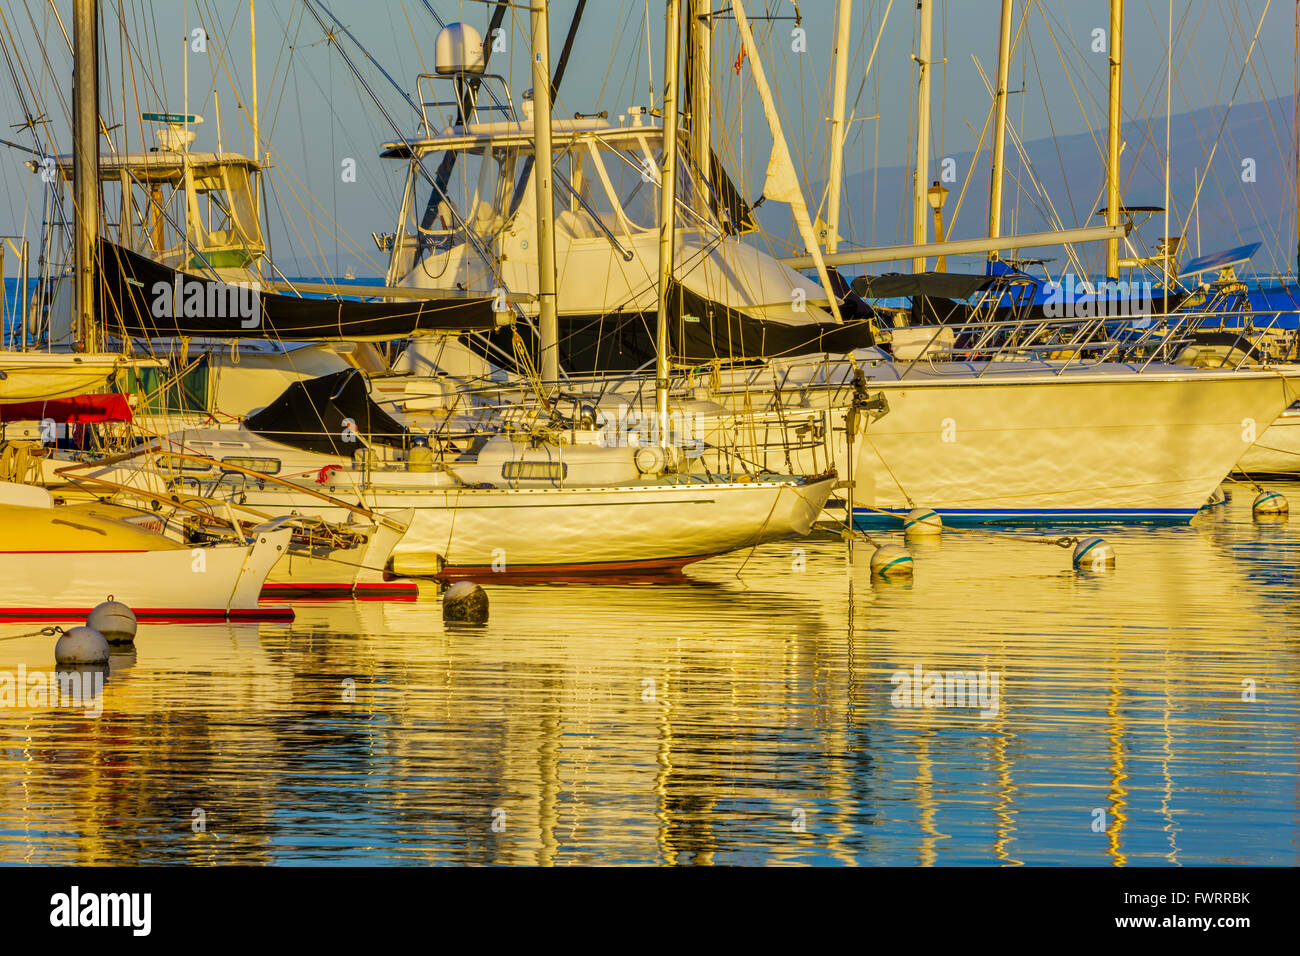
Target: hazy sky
[314,114]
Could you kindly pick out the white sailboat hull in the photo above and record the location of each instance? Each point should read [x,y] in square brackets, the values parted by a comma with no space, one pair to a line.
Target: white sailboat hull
[357,572]
[650,528]
[219,581]
[1278,450]
[467,531]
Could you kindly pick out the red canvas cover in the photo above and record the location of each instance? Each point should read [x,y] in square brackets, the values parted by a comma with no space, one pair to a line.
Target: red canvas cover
[78,410]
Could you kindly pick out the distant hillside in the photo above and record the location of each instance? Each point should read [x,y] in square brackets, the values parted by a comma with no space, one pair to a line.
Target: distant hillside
[1071,171]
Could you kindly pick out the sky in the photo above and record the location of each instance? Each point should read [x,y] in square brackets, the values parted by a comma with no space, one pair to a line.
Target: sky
[315,116]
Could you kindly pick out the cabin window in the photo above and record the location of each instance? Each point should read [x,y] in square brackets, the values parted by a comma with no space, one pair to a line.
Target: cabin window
[172,464]
[534,470]
[162,390]
[265,466]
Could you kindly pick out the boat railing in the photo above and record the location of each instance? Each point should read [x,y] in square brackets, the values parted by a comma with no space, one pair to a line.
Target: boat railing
[464,106]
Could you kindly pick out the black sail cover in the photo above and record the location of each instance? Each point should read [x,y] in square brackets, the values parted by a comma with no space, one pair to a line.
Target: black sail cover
[143,298]
[703,330]
[330,415]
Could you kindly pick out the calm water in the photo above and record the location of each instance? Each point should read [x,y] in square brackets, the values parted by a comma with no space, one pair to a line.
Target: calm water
[714,719]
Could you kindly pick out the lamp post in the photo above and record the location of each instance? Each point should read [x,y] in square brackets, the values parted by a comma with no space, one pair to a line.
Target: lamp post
[937,196]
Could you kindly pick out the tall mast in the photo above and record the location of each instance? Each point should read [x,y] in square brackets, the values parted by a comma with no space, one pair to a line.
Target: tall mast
[699,48]
[252,51]
[1000,126]
[1113,119]
[920,204]
[1169,83]
[85,171]
[840,87]
[667,210]
[548,320]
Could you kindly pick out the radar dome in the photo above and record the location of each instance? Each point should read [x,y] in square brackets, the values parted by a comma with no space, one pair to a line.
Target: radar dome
[459,49]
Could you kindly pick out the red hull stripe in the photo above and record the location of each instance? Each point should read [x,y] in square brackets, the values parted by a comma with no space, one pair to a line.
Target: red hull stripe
[404,591]
[654,564]
[128,551]
[159,614]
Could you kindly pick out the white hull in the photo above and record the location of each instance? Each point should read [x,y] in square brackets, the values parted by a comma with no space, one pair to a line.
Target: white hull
[217,581]
[1278,450]
[533,530]
[655,527]
[344,572]
[1081,447]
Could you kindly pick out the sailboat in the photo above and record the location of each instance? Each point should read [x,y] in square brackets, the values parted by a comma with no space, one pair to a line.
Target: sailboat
[518,503]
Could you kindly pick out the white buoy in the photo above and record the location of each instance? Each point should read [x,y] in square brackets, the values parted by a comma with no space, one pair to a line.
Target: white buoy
[1270,504]
[465,601]
[81,645]
[922,522]
[114,620]
[1094,554]
[890,561]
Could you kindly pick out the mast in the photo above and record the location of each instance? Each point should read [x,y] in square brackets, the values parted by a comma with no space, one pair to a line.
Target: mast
[667,211]
[1000,126]
[699,82]
[1169,95]
[920,204]
[840,88]
[1113,119]
[548,319]
[85,173]
[252,50]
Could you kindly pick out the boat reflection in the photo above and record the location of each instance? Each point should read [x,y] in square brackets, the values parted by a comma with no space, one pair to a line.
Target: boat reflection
[742,713]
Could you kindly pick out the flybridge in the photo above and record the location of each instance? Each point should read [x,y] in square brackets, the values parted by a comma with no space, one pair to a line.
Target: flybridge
[509,133]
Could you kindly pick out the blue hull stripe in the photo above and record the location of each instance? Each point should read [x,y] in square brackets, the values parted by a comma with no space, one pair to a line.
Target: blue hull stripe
[863,518]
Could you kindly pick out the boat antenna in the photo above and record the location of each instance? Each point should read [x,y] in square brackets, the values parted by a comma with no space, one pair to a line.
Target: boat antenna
[448,163]
[332,36]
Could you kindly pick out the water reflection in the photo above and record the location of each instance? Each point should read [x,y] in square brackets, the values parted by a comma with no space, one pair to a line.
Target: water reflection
[713,718]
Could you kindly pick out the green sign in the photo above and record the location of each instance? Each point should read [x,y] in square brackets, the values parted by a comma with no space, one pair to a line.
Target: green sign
[168,117]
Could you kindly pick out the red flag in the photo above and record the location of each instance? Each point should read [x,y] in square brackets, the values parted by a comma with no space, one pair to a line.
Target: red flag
[740,58]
